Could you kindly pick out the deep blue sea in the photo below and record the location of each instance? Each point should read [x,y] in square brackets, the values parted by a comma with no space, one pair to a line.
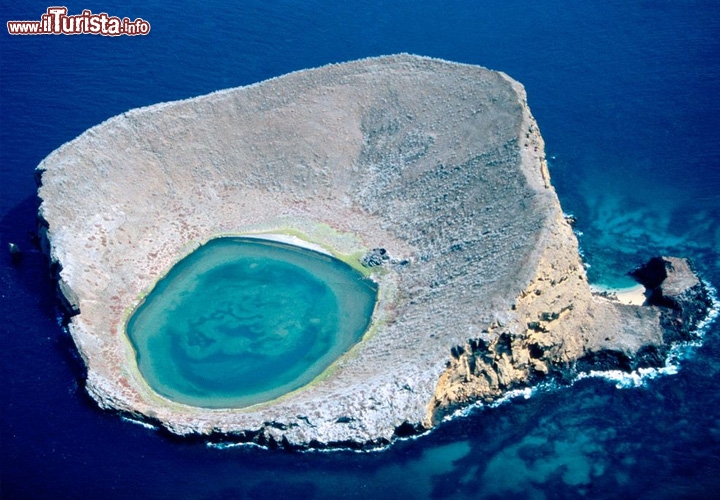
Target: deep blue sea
[627,96]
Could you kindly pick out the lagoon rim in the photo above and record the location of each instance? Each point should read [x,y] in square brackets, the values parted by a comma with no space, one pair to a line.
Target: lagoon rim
[242,321]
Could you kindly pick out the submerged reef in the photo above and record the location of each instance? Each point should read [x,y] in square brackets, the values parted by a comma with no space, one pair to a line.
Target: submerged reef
[428,175]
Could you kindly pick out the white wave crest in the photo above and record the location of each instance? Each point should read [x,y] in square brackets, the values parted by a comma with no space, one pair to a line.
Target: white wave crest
[679,352]
[140,422]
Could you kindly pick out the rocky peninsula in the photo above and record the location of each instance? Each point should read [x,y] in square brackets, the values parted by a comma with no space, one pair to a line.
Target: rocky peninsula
[429,175]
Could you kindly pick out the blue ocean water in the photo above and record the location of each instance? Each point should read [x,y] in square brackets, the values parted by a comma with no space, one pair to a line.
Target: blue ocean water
[625,94]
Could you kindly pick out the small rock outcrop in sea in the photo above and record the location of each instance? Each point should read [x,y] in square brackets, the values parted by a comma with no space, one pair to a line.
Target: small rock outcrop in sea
[674,288]
[429,175]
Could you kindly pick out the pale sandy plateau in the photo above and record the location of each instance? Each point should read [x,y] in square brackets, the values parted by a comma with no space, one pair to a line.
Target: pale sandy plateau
[440,164]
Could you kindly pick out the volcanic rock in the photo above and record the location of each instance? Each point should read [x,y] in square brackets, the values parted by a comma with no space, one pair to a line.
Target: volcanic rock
[440,165]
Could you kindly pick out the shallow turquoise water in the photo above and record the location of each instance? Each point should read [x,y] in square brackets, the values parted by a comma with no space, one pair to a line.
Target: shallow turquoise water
[625,94]
[241,321]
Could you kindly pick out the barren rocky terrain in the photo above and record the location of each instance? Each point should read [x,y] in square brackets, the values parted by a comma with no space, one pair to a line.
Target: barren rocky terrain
[440,164]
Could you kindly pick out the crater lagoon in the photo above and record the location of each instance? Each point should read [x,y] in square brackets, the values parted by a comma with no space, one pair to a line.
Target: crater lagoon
[241,321]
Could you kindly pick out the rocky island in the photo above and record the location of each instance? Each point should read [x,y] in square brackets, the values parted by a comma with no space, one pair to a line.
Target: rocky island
[428,176]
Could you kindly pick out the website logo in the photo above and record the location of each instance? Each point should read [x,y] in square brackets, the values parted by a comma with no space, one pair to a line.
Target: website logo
[56,21]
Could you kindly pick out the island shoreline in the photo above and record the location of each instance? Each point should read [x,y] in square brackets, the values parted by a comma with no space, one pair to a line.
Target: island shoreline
[469,324]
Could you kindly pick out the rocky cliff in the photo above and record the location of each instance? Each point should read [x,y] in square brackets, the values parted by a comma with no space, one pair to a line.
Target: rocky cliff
[440,165]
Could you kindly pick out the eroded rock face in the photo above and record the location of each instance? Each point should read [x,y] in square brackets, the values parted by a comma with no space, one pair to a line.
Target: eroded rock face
[560,343]
[682,298]
[430,173]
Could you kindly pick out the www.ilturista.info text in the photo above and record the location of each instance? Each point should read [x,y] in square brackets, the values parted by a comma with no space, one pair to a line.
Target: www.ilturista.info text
[55,21]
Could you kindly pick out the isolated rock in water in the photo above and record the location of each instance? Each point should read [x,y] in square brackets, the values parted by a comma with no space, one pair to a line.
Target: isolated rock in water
[676,289]
[440,165]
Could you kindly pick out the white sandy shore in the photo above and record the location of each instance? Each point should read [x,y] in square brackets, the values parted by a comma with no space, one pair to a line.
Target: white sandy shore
[386,152]
[633,295]
[289,239]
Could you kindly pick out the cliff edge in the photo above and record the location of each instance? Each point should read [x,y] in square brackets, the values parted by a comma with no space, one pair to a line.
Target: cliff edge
[429,172]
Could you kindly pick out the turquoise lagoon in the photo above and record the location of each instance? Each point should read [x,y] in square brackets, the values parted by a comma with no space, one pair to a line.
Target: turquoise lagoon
[241,321]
